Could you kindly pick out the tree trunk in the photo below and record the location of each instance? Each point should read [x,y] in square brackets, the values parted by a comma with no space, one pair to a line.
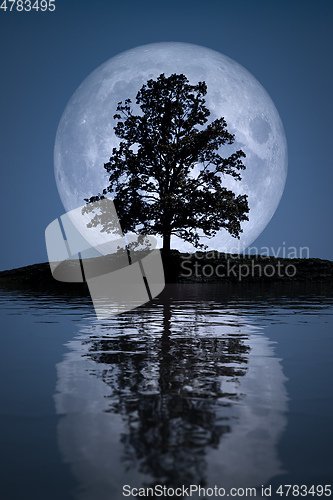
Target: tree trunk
[166,244]
[166,257]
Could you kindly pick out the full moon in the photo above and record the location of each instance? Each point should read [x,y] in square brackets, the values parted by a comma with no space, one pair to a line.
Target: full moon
[85,137]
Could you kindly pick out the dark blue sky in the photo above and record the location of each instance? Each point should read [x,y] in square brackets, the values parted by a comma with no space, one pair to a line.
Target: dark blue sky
[287,45]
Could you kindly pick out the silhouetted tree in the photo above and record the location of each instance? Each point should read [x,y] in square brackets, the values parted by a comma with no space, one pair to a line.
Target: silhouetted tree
[154,177]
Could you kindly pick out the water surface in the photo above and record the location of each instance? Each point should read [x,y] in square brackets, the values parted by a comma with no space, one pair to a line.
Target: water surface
[207,385]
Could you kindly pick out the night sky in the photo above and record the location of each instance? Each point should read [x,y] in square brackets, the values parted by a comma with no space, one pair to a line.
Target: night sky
[287,45]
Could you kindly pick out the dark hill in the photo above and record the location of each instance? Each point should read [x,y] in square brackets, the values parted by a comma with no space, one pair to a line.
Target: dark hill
[194,268]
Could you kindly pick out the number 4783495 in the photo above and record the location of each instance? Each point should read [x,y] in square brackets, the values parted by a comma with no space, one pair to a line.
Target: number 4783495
[27,5]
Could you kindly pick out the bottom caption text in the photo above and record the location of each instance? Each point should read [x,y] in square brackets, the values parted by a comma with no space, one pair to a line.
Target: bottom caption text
[285,490]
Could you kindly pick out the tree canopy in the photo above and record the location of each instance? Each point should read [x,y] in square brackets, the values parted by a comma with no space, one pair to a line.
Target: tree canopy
[166,176]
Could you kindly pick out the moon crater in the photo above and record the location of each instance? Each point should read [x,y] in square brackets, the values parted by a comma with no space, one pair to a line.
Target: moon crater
[260,129]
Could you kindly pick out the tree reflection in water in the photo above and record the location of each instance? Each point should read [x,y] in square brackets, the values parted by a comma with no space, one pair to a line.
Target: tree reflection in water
[173,373]
[168,393]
